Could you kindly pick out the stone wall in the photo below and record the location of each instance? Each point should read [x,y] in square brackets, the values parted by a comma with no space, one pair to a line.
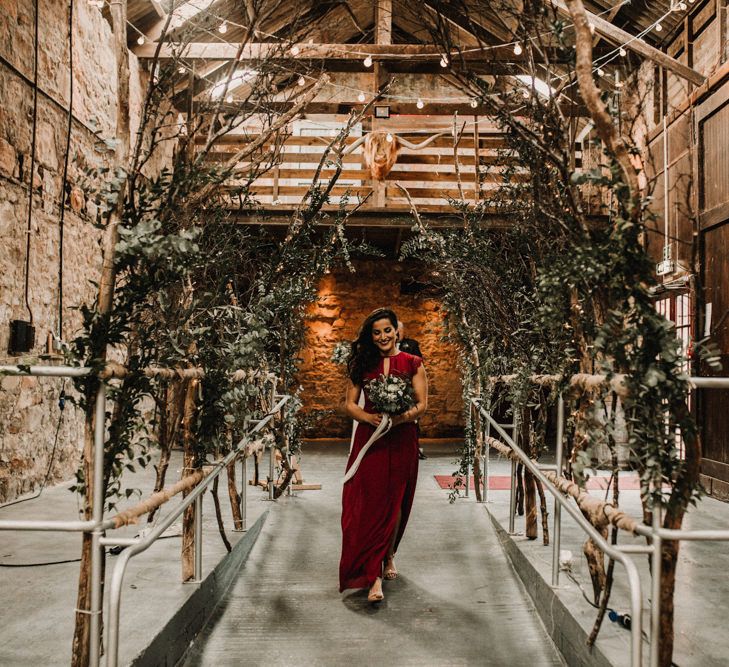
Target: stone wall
[344,301]
[29,413]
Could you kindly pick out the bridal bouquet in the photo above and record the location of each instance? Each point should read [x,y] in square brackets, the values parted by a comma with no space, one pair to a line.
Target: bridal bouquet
[391,394]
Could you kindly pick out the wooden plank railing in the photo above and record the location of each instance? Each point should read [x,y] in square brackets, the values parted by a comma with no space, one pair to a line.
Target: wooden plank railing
[429,174]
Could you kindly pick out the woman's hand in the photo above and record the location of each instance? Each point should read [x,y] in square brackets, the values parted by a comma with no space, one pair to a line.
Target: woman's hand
[373,419]
[401,419]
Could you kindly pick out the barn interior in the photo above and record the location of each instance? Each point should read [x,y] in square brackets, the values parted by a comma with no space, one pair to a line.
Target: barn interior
[201,201]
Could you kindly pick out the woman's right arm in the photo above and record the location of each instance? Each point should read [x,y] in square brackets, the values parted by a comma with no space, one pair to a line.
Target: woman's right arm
[354,411]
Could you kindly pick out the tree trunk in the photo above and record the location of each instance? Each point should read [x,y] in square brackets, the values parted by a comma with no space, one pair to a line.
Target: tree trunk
[544,513]
[530,502]
[81,644]
[477,477]
[188,466]
[519,490]
[234,496]
[596,564]
[81,639]
[219,514]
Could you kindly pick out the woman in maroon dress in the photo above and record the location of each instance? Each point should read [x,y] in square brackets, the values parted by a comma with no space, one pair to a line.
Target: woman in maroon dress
[378,493]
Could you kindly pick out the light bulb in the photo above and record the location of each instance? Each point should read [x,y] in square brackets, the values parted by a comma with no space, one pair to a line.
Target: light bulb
[659,27]
[229,99]
[368,61]
[389,138]
[294,50]
[181,69]
[517,49]
[140,40]
[474,103]
[420,104]
[600,71]
[223,28]
[302,81]
[622,52]
[361,97]
[444,61]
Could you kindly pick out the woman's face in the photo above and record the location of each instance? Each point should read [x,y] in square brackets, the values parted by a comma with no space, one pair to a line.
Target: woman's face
[384,336]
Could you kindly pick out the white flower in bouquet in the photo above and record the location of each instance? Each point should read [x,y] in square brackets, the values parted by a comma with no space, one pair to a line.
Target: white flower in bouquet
[341,352]
[391,394]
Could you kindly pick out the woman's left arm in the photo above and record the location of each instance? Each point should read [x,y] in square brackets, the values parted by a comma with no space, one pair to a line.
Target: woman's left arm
[420,389]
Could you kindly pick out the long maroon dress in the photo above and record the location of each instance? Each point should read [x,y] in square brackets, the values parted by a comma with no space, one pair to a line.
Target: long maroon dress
[383,484]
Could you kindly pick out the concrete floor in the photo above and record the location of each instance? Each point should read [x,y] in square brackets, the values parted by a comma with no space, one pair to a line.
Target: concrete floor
[37,603]
[702,590]
[457,600]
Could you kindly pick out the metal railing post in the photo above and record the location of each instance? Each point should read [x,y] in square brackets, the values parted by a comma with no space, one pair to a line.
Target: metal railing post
[243,492]
[486,462]
[97,532]
[271,469]
[656,573]
[557,530]
[198,538]
[272,453]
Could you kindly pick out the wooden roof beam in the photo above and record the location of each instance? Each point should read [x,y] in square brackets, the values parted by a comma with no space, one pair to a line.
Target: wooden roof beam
[396,108]
[410,53]
[620,37]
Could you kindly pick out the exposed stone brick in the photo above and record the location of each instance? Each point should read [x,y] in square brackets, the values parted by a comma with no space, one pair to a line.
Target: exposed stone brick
[45,146]
[29,408]
[8,159]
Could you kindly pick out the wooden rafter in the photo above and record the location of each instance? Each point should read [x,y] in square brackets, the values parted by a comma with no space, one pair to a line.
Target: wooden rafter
[332,53]
[486,31]
[619,36]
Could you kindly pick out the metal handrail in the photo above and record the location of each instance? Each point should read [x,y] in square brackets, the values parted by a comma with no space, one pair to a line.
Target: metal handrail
[142,544]
[636,595]
[654,533]
[97,526]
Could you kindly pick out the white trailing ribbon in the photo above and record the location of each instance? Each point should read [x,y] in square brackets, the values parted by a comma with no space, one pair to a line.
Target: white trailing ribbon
[384,426]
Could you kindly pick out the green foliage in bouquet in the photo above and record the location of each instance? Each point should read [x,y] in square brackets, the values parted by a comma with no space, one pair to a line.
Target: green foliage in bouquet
[391,394]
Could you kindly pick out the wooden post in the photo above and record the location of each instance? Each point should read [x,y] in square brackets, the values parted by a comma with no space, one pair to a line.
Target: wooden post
[383,35]
[722,26]
[188,466]
[476,162]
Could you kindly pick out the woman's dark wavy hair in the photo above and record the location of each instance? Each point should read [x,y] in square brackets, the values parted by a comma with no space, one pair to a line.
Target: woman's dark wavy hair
[365,355]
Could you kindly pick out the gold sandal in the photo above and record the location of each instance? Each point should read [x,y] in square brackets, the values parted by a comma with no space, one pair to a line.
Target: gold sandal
[390,571]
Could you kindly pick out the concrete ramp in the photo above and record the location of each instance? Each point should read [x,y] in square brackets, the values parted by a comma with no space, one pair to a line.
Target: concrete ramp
[457,600]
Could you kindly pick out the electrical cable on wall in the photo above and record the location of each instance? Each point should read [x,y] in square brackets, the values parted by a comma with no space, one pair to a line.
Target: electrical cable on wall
[52,458]
[65,172]
[32,165]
